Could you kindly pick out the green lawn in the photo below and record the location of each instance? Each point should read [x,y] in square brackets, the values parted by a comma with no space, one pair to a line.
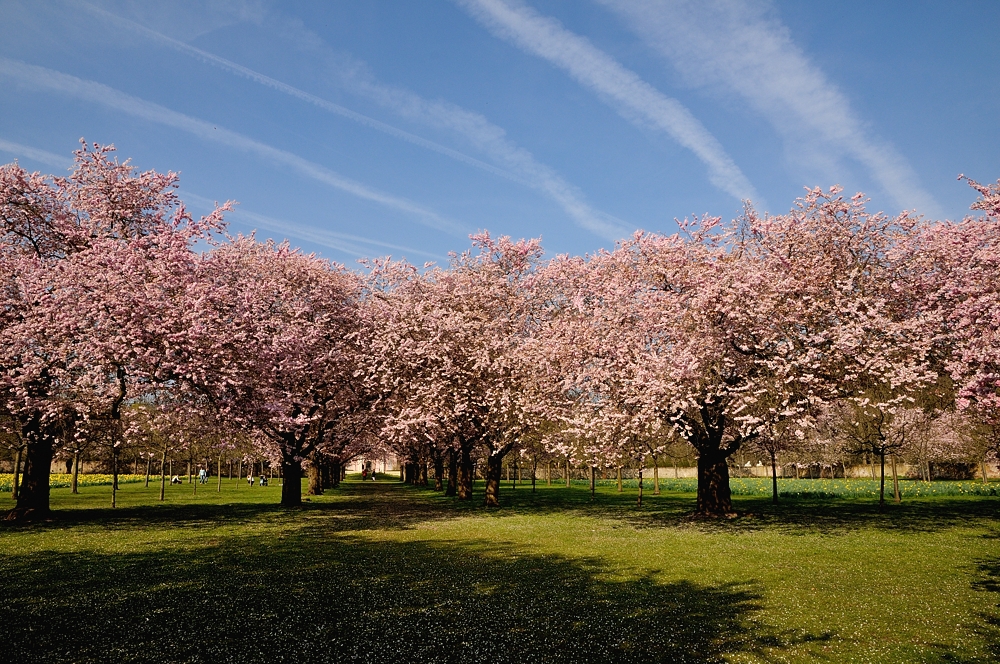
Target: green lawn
[385,572]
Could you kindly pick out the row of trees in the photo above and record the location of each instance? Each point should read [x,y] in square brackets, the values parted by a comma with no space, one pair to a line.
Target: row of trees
[124,314]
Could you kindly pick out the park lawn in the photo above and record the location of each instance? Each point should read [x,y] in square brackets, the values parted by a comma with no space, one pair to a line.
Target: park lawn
[386,572]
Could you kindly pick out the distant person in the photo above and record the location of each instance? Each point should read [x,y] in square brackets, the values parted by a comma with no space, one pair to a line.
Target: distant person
[263,480]
[202,475]
[364,473]
[250,479]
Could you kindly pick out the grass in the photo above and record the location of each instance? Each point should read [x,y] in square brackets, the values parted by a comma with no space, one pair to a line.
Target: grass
[385,572]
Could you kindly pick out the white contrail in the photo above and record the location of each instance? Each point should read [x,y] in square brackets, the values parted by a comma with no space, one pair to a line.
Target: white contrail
[345,243]
[274,84]
[747,48]
[484,135]
[41,156]
[40,77]
[635,99]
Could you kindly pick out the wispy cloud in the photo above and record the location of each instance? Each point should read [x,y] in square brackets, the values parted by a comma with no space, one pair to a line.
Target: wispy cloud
[48,79]
[355,246]
[274,84]
[745,47]
[41,156]
[635,99]
[518,164]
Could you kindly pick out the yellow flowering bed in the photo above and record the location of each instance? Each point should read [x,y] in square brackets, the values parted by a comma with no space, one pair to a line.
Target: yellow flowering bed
[62,480]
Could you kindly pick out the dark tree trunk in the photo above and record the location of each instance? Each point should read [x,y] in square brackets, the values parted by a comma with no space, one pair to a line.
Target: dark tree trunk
[656,476]
[74,482]
[17,472]
[149,463]
[335,473]
[421,472]
[567,473]
[452,473]
[620,488]
[315,475]
[639,501]
[465,479]
[774,478]
[494,472]
[881,488]
[438,472]
[33,492]
[163,473]
[114,476]
[895,481]
[593,481]
[714,497]
[534,473]
[291,487]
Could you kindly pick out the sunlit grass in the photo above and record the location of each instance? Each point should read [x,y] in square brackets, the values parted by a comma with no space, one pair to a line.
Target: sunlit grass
[384,572]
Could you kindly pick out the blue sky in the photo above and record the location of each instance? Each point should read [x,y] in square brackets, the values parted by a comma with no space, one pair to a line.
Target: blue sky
[371,128]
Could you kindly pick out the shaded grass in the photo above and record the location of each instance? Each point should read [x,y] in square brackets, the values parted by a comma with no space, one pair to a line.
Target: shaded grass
[383,572]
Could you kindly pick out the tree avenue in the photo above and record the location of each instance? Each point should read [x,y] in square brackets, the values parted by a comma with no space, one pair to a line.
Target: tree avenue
[828,330]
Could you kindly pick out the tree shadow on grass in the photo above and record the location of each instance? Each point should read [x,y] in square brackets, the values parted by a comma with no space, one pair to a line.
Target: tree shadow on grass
[987,631]
[311,597]
[352,507]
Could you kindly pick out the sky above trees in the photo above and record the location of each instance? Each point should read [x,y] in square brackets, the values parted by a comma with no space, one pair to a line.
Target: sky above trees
[364,129]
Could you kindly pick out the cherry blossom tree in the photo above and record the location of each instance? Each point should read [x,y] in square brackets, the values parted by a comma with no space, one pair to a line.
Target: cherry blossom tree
[273,341]
[88,262]
[454,354]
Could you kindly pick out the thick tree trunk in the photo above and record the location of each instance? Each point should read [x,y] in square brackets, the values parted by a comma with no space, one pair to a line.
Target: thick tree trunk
[774,478]
[465,475]
[714,497]
[33,492]
[291,487]
[439,473]
[494,471]
[315,475]
[335,471]
[452,489]
[421,472]
[982,465]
